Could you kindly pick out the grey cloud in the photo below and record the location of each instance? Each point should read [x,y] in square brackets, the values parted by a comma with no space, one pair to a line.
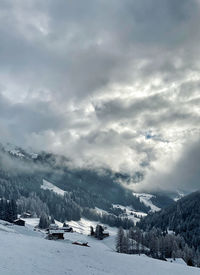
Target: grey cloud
[184,175]
[172,117]
[155,111]
[125,109]
[22,119]
[66,67]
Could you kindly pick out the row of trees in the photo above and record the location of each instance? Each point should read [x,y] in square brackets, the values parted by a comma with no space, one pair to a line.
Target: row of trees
[156,244]
[33,204]
[62,208]
[8,210]
[98,232]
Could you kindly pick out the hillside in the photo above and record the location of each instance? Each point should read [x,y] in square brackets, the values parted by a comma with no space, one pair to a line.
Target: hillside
[27,252]
[183,218]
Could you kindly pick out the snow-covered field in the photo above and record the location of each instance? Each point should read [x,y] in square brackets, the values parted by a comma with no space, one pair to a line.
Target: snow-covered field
[130,213]
[46,185]
[25,251]
[177,261]
[146,199]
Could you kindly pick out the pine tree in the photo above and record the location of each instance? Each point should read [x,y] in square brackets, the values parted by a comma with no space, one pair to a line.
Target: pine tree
[92,231]
[188,255]
[99,232]
[44,221]
[125,244]
[52,220]
[119,240]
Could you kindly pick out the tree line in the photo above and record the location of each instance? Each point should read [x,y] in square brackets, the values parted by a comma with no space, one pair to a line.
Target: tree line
[157,244]
[8,210]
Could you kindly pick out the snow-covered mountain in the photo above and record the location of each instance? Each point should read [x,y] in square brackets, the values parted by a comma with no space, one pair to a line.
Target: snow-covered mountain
[147,200]
[17,151]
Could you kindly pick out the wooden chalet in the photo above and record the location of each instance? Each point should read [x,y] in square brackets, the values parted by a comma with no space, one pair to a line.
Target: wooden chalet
[26,215]
[53,226]
[67,228]
[57,234]
[19,222]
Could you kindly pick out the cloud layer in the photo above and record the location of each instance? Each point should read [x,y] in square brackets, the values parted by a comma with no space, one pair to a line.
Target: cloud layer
[107,83]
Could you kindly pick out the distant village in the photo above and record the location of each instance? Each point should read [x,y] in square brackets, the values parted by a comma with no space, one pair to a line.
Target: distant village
[55,232]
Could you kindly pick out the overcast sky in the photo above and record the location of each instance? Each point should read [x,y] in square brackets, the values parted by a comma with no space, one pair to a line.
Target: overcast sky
[107,83]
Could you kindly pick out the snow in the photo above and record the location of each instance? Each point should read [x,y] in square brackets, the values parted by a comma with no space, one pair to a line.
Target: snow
[32,222]
[83,226]
[179,196]
[130,213]
[146,199]
[34,155]
[101,211]
[49,186]
[56,231]
[27,252]
[16,153]
[176,261]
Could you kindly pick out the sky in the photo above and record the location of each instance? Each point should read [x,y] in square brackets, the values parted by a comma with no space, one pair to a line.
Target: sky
[111,84]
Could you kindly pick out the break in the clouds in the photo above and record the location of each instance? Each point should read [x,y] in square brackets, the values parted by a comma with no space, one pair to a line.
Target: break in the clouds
[106,83]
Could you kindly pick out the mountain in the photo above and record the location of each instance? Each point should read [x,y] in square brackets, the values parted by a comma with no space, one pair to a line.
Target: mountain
[154,201]
[22,177]
[182,217]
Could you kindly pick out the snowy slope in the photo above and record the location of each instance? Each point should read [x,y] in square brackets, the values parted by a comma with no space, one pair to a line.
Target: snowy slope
[179,196]
[130,213]
[49,186]
[177,261]
[146,199]
[26,252]
[18,152]
[101,211]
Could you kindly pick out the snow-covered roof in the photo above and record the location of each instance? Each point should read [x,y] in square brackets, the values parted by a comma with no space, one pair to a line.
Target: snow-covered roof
[53,226]
[58,231]
[18,220]
[66,227]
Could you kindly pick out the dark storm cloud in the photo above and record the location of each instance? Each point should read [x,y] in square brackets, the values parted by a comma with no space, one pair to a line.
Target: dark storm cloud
[23,119]
[91,78]
[152,111]
[125,109]
[92,44]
